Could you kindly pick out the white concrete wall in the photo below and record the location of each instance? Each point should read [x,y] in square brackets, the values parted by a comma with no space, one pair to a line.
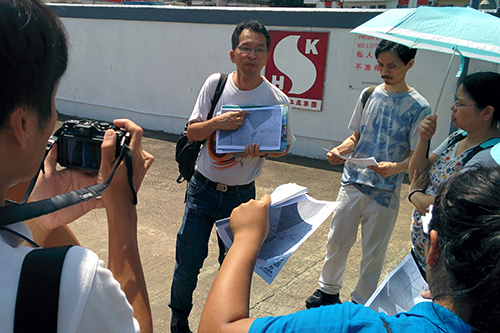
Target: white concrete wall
[151,72]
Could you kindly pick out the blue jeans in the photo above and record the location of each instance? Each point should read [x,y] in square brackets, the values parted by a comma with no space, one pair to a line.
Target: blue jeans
[204,206]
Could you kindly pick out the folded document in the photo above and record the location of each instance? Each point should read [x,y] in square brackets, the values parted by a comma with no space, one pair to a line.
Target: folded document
[293,217]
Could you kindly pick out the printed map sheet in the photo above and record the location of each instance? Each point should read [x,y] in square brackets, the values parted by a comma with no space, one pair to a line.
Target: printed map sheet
[265,125]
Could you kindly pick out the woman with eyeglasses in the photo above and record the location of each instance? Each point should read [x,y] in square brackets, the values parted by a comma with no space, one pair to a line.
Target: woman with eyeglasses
[463,271]
[475,112]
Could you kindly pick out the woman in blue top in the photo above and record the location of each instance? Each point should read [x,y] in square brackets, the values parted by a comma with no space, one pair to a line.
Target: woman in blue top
[462,264]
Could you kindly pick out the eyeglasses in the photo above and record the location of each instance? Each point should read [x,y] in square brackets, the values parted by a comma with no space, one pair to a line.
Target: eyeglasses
[456,105]
[248,50]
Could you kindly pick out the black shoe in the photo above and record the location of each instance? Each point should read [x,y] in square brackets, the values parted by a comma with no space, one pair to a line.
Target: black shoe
[179,325]
[320,298]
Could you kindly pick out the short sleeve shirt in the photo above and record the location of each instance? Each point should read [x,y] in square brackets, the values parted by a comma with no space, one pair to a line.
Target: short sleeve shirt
[350,318]
[234,168]
[388,131]
[90,299]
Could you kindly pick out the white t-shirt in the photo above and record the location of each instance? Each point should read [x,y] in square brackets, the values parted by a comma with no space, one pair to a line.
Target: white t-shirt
[235,168]
[90,299]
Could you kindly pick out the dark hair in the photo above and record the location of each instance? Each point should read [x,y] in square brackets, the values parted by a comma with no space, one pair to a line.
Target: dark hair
[466,216]
[252,25]
[403,52]
[483,88]
[33,57]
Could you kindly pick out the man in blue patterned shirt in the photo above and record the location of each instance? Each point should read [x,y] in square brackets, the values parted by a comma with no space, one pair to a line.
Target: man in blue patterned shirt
[385,126]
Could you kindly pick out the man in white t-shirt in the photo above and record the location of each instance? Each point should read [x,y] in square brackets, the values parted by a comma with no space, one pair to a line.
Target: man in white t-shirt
[33,58]
[221,182]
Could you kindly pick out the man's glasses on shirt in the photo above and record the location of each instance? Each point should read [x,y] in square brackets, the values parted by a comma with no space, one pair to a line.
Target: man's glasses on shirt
[248,50]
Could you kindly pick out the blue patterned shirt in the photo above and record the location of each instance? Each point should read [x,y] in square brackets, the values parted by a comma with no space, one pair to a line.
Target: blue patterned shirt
[388,131]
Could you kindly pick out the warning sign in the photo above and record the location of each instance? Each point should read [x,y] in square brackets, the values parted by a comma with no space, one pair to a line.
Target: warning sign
[364,68]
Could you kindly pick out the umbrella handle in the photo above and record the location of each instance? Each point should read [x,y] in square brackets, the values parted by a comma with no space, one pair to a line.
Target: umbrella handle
[444,82]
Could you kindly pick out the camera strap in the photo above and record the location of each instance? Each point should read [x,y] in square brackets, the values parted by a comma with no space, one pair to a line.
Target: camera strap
[16,212]
[52,140]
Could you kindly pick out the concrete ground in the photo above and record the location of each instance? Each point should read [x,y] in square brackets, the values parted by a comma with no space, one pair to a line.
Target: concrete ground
[160,211]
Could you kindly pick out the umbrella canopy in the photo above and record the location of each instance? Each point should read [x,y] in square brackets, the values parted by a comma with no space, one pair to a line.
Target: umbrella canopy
[473,33]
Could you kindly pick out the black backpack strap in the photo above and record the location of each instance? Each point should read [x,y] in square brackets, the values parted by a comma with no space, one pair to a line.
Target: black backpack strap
[186,152]
[490,143]
[457,138]
[218,91]
[50,143]
[485,145]
[482,146]
[38,292]
[367,95]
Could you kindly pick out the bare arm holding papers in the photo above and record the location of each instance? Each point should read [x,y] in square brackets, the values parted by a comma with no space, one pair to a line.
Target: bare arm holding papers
[384,168]
[370,161]
[345,148]
[293,217]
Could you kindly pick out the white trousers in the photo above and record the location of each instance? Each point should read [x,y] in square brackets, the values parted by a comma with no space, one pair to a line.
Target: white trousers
[377,223]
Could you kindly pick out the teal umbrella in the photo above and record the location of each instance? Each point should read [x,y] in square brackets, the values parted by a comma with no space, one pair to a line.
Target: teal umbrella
[454,30]
[473,33]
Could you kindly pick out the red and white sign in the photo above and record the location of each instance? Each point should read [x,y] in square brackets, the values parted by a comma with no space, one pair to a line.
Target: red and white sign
[296,65]
[364,69]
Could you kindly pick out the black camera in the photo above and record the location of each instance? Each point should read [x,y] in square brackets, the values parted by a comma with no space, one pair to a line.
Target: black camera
[79,143]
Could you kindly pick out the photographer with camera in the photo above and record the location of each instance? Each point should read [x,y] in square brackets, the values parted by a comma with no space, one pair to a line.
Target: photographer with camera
[33,57]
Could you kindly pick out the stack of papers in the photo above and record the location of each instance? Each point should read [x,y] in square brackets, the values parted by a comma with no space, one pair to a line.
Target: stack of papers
[293,217]
[265,125]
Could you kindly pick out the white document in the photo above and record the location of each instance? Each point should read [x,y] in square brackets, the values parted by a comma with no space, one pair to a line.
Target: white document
[292,219]
[265,125]
[400,290]
[369,161]
[283,194]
